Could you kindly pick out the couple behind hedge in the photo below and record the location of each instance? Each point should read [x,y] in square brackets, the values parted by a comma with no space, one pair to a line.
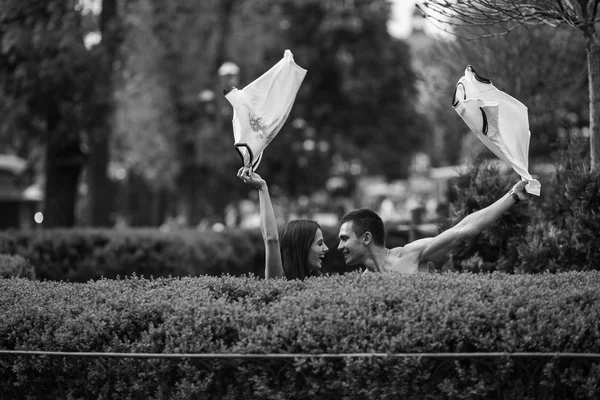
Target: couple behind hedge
[300,250]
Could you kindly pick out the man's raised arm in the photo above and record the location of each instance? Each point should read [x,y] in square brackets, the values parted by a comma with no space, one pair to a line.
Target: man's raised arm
[431,249]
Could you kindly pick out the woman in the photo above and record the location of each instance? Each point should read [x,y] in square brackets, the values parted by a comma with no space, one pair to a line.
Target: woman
[302,244]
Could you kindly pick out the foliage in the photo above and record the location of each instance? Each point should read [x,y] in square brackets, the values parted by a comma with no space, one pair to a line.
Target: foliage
[495,248]
[79,255]
[359,91]
[47,86]
[356,98]
[84,254]
[559,231]
[529,64]
[146,126]
[378,313]
[15,266]
[490,18]
[45,67]
[566,237]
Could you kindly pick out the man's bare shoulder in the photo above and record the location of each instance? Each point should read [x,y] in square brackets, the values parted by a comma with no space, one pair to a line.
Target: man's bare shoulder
[403,260]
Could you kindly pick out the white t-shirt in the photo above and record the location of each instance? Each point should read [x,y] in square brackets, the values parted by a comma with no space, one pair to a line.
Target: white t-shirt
[262,107]
[498,120]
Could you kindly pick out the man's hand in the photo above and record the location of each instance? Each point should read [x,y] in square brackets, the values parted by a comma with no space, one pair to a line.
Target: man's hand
[519,189]
[251,178]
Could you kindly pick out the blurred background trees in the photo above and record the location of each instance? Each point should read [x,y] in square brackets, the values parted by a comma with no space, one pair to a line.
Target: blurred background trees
[544,67]
[118,104]
[484,18]
[46,74]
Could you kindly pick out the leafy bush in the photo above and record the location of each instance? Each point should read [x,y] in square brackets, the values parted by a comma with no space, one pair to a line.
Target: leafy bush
[495,249]
[79,255]
[566,235]
[15,266]
[350,313]
[559,231]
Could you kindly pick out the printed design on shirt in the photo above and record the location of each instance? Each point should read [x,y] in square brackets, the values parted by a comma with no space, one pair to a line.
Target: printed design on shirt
[493,123]
[262,130]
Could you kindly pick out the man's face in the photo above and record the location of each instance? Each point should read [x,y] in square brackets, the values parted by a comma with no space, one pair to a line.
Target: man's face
[351,246]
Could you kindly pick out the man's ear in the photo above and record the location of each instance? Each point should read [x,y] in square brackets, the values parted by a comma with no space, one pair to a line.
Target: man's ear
[367,238]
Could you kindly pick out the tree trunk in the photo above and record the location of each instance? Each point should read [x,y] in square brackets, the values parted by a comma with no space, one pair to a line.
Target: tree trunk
[224,14]
[593,56]
[100,195]
[64,160]
[194,197]
[62,180]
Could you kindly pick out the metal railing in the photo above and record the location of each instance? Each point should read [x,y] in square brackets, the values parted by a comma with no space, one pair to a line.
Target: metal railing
[541,374]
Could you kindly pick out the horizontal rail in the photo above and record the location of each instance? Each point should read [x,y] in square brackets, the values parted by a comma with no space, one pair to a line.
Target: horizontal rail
[300,355]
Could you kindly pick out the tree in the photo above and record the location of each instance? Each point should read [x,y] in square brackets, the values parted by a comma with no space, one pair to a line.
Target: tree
[46,74]
[494,17]
[145,116]
[529,64]
[163,132]
[100,127]
[357,101]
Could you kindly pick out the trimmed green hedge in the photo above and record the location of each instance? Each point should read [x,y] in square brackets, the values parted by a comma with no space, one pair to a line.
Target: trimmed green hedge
[336,314]
[79,255]
[556,232]
[15,266]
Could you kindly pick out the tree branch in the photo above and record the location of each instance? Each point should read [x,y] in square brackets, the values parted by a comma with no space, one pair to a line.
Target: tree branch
[595,9]
[496,13]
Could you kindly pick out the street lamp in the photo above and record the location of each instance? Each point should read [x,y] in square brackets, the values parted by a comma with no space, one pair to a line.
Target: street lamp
[229,74]
[216,105]
[206,99]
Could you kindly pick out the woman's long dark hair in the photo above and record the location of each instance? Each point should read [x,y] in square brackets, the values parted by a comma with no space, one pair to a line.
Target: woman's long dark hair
[295,241]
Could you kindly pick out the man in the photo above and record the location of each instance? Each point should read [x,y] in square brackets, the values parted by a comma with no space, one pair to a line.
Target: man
[362,237]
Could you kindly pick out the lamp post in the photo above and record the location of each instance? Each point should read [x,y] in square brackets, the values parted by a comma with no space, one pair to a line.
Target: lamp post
[219,183]
[229,75]
[206,121]
[206,99]
[205,117]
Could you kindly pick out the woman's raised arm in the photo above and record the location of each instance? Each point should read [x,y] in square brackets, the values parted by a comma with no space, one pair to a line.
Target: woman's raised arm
[268,223]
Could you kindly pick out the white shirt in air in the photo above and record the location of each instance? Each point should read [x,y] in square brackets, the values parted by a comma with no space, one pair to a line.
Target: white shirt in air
[498,120]
[261,108]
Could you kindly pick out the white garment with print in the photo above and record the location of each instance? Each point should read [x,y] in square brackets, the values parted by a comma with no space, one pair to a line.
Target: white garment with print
[498,120]
[261,108]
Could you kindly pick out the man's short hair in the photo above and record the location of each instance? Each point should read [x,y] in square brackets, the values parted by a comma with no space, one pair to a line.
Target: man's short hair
[364,220]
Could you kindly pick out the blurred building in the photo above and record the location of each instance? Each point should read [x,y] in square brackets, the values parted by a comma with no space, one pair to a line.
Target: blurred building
[18,201]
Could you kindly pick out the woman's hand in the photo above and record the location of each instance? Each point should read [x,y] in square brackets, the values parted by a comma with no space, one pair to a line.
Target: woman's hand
[251,178]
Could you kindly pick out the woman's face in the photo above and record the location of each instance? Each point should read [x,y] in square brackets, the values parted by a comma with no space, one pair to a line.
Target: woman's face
[317,251]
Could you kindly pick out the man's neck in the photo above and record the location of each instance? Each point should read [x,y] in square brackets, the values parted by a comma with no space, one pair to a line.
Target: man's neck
[375,258]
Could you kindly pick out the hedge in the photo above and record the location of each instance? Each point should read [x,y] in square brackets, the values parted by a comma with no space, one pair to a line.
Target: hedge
[350,313]
[78,255]
[556,232]
[15,266]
